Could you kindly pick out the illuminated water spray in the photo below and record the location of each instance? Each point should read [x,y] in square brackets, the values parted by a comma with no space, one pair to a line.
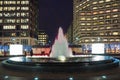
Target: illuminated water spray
[60,47]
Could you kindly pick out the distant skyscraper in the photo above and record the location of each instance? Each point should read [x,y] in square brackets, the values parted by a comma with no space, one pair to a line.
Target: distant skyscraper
[18,21]
[96,21]
[42,38]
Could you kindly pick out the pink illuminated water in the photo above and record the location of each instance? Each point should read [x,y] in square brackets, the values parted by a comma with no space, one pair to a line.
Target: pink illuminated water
[60,46]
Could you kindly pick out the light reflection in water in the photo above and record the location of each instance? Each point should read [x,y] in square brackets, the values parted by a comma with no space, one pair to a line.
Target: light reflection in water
[97,58]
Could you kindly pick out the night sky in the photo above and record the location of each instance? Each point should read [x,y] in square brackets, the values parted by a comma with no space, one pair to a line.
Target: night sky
[55,14]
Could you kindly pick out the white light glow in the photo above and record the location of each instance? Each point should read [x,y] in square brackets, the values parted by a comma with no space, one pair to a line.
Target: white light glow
[62,58]
[16,49]
[98,48]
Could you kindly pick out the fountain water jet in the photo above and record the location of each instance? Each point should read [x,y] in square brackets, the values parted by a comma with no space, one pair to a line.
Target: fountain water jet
[60,47]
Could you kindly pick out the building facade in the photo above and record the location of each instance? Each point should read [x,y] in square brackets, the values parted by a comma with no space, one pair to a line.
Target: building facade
[18,21]
[96,21]
[42,38]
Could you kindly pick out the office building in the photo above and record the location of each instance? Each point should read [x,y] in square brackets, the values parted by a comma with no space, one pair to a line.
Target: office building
[42,38]
[18,21]
[96,21]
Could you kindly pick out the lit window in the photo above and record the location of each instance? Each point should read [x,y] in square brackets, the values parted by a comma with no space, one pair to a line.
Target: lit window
[115,10]
[117,39]
[1,8]
[76,11]
[5,8]
[82,18]
[1,2]
[88,29]
[115,4]
[9,8]
[24,20]
[13,34]
[82,29]
[95,18]
[22,14]
[24,8]
[9,14]
[95,28]
[88,23]
[9,2]
[108,11]
[95,23]
[115,33]
[88,4]
[108,0]
[101,1]
[101,17]
[108,16]
[82,23]
[107,6]
[82,13]
[0,14]
[23,34]
[86,40]
[95,7]
[105,40]
[101,22]
[95,12]
[101,33]
[101,12]
[9,27]
[94,3]
[93,40]
[88,18]
[24,2]
[18,8]
[108,27]
[88,13]
[77,6]
[0,20]
[115,20]
[9,20]
[115,15]
[24,27]
[111,39]
[18,2]
[18,14]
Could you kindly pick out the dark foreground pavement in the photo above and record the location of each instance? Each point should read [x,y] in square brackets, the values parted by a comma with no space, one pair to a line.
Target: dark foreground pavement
[110,74]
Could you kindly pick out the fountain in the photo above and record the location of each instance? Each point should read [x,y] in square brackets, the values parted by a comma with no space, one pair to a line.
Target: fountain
[61,60]
[60,47]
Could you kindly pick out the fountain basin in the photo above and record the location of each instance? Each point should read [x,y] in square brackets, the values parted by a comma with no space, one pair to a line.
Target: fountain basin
[71,64]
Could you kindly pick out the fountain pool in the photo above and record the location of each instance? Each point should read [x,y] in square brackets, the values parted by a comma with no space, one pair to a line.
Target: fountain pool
[61,60]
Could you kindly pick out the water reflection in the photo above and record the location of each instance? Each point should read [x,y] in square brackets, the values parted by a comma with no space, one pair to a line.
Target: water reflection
[71,59]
